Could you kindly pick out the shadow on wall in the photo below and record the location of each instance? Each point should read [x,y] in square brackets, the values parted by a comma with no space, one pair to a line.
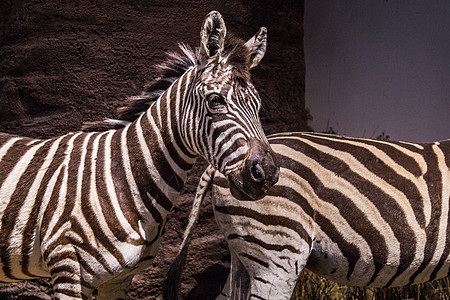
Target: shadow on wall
[217,275]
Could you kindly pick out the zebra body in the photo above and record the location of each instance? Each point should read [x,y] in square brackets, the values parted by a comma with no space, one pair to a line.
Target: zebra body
[88,208]
[357,211]
[60,202]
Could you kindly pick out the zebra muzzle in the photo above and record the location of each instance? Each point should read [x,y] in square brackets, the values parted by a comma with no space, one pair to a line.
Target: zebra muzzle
[258,174]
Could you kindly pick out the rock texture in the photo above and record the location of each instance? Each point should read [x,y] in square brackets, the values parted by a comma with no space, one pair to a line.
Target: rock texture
[67,62]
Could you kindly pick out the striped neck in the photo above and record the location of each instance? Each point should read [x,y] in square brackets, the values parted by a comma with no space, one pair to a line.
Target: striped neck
[158,154]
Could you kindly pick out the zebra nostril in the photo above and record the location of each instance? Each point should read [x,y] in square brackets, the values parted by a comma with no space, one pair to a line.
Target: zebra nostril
[257,172]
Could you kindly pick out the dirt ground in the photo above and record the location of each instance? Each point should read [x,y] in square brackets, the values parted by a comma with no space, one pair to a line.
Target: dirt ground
[67,62]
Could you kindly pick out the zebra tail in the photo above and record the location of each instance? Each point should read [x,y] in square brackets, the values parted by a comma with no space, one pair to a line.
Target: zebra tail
[172,282]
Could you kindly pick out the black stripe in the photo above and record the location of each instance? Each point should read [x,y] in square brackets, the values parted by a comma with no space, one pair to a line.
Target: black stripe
[434,177]
[280,267]
[29,229]
[445,147]
[270,247]
[254,259]
[120,185]
[12,156]
[257,297]
[371,162]
[144,180]
[182,81]
[268,220]
[261,279]
[107,208]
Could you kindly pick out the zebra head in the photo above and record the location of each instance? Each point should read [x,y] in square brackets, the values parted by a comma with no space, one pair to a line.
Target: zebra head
[225,126]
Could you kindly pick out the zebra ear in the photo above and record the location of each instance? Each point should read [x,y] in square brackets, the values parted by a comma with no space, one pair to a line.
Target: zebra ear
[257,46]
[212,37]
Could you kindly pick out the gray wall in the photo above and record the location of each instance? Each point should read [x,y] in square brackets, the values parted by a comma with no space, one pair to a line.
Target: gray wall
[374,66]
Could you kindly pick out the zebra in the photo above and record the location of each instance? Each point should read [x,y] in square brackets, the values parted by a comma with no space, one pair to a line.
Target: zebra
[357,211]
[88,208]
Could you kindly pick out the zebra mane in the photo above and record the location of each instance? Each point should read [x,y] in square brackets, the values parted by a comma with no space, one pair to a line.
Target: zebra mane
[174,66]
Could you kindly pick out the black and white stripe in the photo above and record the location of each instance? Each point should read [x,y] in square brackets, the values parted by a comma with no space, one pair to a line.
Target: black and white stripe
[88,208]
[357,211]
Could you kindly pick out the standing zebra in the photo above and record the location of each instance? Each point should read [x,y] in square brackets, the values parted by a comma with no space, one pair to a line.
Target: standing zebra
[357,211]
[88,208]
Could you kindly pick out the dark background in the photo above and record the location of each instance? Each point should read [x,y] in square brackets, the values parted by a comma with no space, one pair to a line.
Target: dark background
[67,62]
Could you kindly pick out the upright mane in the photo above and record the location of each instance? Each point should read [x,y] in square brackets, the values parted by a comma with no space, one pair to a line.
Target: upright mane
[174,66]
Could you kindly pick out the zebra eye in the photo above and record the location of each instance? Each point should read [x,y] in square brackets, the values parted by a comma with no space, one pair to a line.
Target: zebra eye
[215,101]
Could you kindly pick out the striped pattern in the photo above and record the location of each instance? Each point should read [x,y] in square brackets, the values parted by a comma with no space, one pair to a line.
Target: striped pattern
[357,211]
[88,208]
[243,101]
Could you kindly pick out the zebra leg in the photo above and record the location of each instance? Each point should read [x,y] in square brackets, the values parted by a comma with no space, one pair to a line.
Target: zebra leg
[273,273]
[238,282]
[274,282]
[65,272]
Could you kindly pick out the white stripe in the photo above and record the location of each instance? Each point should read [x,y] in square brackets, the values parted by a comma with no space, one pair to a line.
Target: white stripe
[6,146]
[3,202]
[77,211]
[94,199]
[361,275]
[112,193]
[47,239]
[32,142]
[62,195]
[45,202]
[92,262]
[175,118]
[223,135]
[183,99]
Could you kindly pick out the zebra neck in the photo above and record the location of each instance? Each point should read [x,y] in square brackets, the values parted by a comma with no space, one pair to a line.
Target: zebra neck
[159,160]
